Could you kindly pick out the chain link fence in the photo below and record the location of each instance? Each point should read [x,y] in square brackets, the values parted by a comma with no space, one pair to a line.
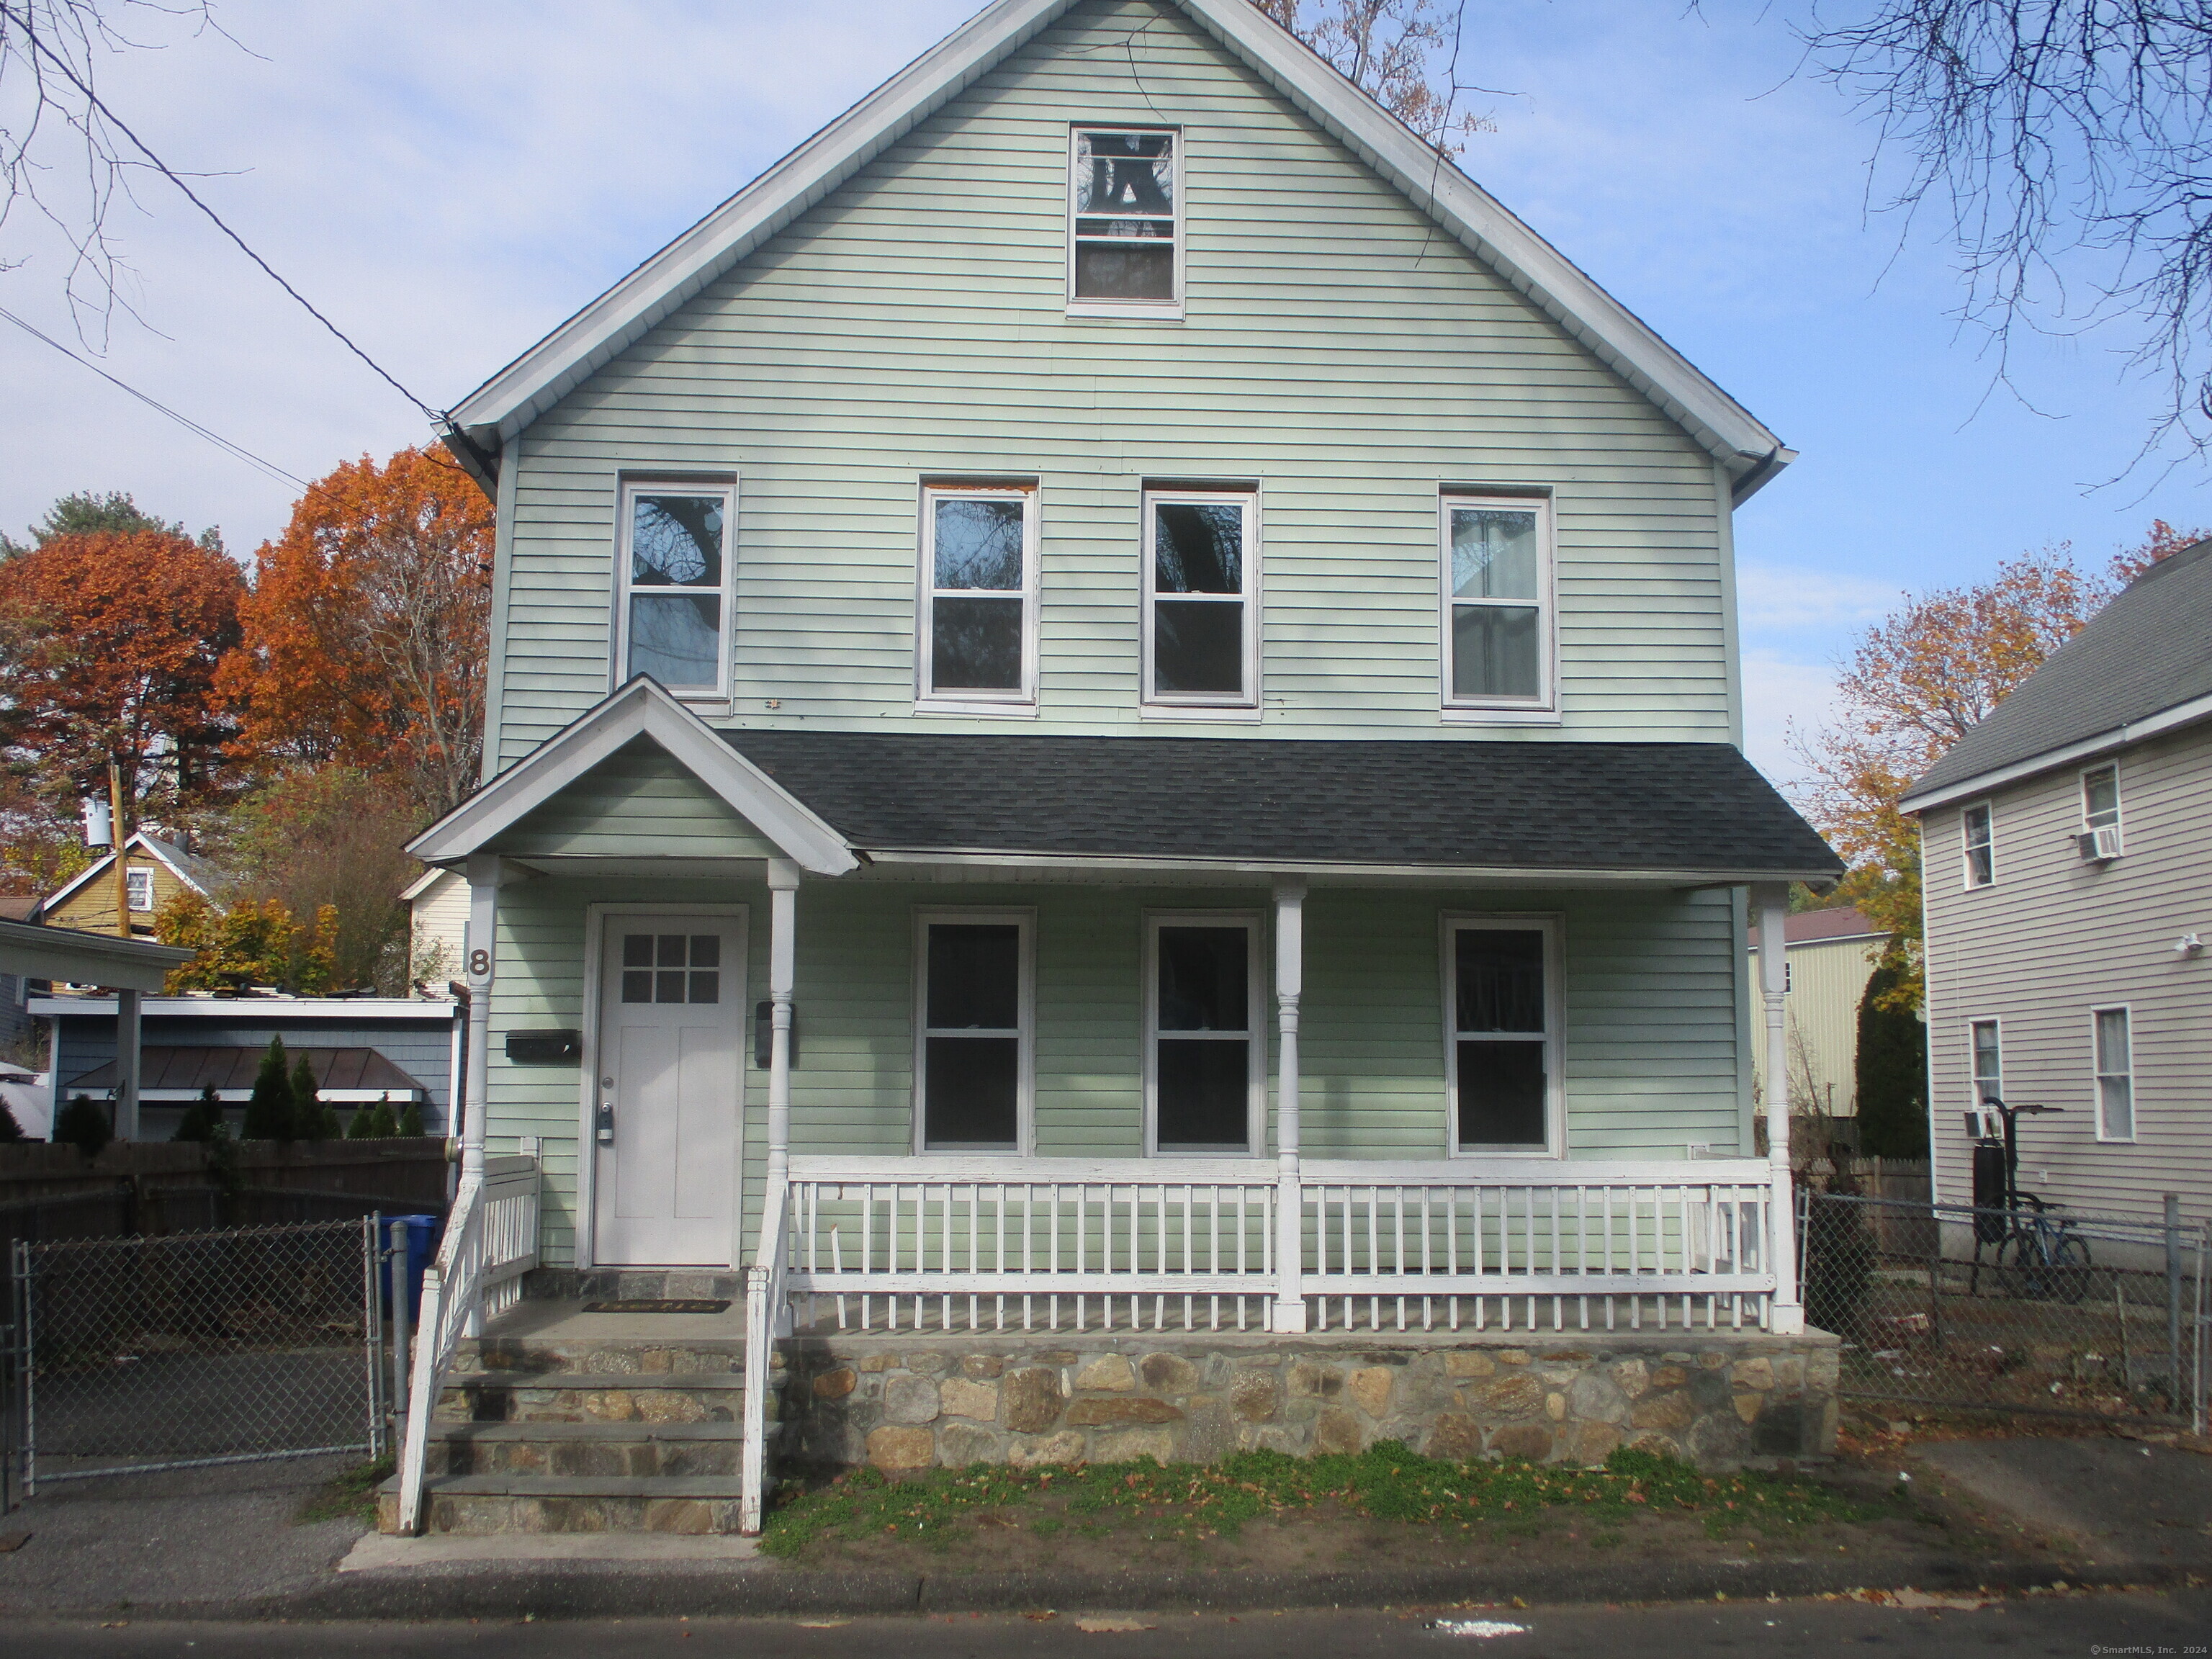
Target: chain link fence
[2026,1311]
[135,1354]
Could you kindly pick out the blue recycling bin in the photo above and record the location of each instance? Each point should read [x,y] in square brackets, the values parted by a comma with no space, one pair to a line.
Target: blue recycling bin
[417,1235]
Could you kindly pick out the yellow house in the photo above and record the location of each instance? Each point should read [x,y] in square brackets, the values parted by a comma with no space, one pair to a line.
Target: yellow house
[156,871]
[1831,956]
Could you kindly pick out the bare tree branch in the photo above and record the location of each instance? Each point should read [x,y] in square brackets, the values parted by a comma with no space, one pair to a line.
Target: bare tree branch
[1390,50]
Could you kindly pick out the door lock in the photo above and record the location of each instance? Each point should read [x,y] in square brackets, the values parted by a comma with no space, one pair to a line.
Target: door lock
[604,1124]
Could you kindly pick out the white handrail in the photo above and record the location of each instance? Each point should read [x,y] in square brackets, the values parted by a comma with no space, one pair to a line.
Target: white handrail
[490,1241]
[765,1298]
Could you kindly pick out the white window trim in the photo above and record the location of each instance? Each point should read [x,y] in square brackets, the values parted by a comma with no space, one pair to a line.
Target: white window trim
[135,878]
[1157,310]
[1966,848]
[1554,1038]
[1022,703]
[1025,1073]
[1208,705]
[724,485]
[2119,802]
[1543,709]
[1255,1111]
[2097,1078]
[1973,1081]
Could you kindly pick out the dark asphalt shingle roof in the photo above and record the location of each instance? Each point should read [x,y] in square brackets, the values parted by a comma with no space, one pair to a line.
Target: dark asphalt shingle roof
[2147,650]
[1621,806]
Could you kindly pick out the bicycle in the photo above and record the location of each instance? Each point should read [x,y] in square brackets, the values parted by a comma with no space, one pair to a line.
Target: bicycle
[2040,1257]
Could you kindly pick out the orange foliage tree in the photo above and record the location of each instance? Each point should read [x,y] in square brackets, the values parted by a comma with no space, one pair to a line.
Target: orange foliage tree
[365,635]
[1915,684]
[109,646]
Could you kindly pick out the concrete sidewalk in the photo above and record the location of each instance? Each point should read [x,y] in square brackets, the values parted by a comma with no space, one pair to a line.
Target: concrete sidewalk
[223,1543]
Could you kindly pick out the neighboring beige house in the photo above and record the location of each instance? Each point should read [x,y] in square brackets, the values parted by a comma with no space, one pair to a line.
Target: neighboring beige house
[1830,955]
[438,920]
[2066,841]
[156,871]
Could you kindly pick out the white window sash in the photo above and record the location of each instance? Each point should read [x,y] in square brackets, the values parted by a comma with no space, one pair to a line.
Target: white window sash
[1254,1035]
[2110,1079]
[1986,844]
[1552,1037]
[139,884]
[1022,699]
[2090,818]
[1169,308]
[1201,705]
[1546,702]
[725,594]
[1024,1033]
[1983,1086]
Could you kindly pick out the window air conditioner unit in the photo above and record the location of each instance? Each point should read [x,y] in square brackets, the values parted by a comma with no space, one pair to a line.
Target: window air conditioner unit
[2099,846]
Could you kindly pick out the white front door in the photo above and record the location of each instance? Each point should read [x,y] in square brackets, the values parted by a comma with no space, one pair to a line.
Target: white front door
[670,1089]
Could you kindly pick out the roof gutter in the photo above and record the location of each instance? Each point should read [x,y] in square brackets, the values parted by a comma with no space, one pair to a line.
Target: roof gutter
[1762,473]
[478,453]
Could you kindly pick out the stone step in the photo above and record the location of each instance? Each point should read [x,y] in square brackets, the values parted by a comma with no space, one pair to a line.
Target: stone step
[657,1397]
[587,1449]
[686,1355]
[485,1503]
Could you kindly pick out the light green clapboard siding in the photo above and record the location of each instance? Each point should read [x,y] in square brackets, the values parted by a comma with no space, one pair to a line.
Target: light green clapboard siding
[637,803]
[1651,1063]
[1338,351]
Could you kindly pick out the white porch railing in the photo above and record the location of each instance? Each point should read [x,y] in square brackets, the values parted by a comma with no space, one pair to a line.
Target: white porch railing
[998,1244]
[490,1241]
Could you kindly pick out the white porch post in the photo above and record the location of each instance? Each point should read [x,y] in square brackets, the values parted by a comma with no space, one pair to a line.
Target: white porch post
[783,920]
[486,870]
[1771,900]
[1290,1316]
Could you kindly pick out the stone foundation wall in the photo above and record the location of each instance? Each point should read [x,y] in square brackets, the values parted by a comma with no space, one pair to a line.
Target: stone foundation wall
[933,1400]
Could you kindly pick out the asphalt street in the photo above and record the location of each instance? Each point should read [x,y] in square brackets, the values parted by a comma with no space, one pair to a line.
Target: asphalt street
[2178,1625]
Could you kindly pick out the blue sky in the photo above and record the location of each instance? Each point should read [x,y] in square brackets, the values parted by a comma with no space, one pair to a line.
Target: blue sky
[448,181]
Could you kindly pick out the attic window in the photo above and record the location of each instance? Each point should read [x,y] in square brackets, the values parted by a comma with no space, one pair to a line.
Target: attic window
[141,888]
[1125,252]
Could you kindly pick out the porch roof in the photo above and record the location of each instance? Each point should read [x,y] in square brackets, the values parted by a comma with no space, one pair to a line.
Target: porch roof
[1659,810]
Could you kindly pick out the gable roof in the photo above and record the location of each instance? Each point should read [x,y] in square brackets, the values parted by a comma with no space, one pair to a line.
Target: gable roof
[511,399]
[196,873]
[639,709]
[1668,813]
[2141,665]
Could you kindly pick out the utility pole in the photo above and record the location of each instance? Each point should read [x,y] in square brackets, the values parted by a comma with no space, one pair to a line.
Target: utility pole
[120,836]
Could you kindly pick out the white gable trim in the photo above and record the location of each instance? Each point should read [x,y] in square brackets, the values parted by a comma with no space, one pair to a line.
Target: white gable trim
[138,841]
[499,409]
[641,708]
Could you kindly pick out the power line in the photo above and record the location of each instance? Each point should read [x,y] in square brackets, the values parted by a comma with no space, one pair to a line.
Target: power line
[164,169]
[184,420]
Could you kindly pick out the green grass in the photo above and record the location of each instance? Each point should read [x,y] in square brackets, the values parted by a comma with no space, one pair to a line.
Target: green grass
[348,1495]
[1195,1501]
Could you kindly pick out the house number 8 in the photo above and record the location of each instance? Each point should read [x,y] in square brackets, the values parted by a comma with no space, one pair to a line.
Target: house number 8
[479,964]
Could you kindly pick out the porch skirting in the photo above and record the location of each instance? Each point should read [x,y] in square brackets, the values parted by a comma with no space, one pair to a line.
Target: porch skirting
[902,1402]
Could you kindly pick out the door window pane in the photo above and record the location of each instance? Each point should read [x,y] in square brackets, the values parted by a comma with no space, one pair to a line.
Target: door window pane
[1496,650]
[1205,1093]
[1205,979]
[1198,647]
[974,976]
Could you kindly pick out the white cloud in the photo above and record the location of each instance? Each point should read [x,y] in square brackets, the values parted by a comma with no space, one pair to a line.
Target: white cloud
[1779,693]
[1782,598]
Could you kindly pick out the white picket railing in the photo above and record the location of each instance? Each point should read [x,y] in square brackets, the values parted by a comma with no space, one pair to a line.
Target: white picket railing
[490,1241]
[1057,1243]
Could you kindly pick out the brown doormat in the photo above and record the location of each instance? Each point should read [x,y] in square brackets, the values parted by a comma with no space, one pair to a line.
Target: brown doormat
[668,1304]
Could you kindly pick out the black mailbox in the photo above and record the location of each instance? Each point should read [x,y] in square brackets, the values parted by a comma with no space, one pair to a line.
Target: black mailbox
[544,1048]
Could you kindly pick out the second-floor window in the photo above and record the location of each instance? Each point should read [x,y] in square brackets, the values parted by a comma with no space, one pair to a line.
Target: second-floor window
[1202,599]
[1497,604]
[1125,240]
[2101,800]
[1977,832]
[978,643]
[672,607]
